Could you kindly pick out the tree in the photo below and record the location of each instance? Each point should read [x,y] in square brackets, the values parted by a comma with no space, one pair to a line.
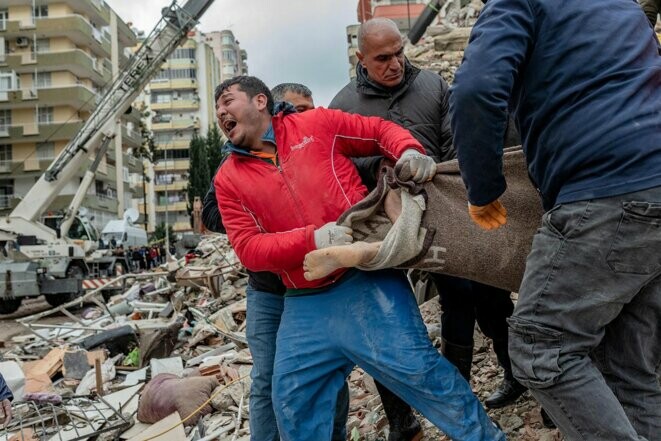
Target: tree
[159,233]
[214,149]
[199,175]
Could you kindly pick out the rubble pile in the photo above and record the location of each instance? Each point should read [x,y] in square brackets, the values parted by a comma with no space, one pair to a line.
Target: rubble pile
[441,49]
[166,358]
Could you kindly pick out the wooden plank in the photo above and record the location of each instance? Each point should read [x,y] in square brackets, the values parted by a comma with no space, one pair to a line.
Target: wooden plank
[49,365]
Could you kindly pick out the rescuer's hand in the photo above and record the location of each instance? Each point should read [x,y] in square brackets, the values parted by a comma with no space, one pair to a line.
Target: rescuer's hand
[490,216]
[331,235]
[5,413]
[422,167]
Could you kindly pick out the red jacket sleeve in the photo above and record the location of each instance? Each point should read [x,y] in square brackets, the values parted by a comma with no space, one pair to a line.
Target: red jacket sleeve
[357,135]
[258,250]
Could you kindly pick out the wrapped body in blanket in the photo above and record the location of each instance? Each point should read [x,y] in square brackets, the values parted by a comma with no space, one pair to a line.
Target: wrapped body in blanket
[406,225]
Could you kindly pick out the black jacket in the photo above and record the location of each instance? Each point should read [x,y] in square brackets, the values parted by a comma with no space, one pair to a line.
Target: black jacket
[260,281]
[419,104]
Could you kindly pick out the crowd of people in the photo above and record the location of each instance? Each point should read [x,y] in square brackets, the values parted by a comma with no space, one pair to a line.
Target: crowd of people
[146,257]
[580,88]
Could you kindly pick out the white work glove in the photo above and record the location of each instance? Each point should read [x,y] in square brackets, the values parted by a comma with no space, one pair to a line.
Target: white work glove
[422,167]
[331,235]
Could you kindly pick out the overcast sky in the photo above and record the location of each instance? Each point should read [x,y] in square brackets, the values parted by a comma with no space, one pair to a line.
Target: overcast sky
[302,41]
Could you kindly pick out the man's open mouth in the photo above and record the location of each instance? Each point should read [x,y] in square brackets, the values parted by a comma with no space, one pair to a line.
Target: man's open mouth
[228,125]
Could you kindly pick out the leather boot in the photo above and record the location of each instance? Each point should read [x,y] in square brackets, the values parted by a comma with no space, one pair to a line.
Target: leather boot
[403,424]
[509,390]
[460,356]
[410,430]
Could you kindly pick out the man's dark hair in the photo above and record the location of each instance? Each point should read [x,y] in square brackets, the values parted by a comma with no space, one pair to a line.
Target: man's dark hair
[280,90]
[252,86]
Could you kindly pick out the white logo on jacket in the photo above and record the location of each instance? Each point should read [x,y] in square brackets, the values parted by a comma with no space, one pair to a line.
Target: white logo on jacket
[306,140]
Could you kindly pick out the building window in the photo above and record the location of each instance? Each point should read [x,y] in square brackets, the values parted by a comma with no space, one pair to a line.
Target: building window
[45,115]
[5,120]
[228,70]
[7,81]
[45,150]
[41,11]
[183,53]
[4,16]
[6,192]
[5,157]
[42,79]
[227,39]
[229,55]
[43,45]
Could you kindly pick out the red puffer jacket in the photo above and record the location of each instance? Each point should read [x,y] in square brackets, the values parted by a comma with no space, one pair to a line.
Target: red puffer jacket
[271,212]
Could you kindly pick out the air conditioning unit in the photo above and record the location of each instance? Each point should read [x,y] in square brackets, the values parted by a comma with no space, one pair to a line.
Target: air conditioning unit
[22,41]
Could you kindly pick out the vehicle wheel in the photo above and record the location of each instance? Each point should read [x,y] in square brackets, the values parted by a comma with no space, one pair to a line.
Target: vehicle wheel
[10,306]
[74,270]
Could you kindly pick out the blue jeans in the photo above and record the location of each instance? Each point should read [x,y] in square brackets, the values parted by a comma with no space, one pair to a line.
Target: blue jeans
[263,320]
[585,336]
[370,320]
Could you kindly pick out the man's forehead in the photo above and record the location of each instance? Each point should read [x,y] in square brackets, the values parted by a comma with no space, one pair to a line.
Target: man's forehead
[383,47]
[232,90]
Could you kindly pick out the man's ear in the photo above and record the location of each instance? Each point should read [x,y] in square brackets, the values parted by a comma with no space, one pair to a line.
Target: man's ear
[260,101]
[361,57]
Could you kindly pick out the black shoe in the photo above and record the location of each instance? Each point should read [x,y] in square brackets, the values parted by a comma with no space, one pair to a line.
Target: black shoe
[546,420]
[505,394]
[412,432]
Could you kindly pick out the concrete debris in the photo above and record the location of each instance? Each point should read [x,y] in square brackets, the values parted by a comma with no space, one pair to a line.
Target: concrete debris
[187,326]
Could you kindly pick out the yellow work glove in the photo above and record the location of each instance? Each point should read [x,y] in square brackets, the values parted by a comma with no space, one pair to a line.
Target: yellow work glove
[490,216]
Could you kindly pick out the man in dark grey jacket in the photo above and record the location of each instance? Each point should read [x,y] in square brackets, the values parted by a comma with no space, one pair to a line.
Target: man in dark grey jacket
[389,86]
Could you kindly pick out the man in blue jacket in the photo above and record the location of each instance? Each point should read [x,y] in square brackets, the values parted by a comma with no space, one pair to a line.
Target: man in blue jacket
[583,79]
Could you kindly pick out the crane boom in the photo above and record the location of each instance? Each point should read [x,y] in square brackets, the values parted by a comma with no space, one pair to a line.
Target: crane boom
[169,32]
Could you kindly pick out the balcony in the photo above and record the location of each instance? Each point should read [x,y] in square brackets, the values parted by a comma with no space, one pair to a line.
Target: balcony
[172,207]
[100,202]
[181,227]
[76,61]
[131,137]
[77,96]
[180,185]
[76,27]
[191,104]
[186,124]
[173,84]
[33,132]
[170,165]
[179,63]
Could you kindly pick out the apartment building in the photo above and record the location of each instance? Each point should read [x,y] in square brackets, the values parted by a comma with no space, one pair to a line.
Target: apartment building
[233,60]
[56,57]
[180,103]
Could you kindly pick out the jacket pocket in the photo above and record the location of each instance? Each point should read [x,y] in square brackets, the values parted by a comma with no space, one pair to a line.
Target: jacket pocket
[534,350]
[636,248]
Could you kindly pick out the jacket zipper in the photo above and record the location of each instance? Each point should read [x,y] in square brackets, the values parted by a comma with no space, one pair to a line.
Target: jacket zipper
[291,193]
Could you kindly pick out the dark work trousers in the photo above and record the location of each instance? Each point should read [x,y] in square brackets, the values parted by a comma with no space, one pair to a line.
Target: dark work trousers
[465,302]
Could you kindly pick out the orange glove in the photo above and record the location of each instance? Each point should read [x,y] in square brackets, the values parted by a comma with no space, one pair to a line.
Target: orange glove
[490,216]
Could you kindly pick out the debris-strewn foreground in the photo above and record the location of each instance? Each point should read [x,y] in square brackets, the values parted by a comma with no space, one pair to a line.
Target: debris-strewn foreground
[166,358]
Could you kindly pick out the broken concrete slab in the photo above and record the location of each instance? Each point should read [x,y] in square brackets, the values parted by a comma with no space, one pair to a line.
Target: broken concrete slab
[75,364]
[174,365]
[176,434]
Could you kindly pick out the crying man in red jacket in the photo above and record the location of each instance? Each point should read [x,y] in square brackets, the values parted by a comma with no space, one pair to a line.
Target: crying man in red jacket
[288,178]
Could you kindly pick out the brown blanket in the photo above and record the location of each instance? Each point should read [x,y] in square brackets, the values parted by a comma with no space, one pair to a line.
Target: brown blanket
[435,233]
